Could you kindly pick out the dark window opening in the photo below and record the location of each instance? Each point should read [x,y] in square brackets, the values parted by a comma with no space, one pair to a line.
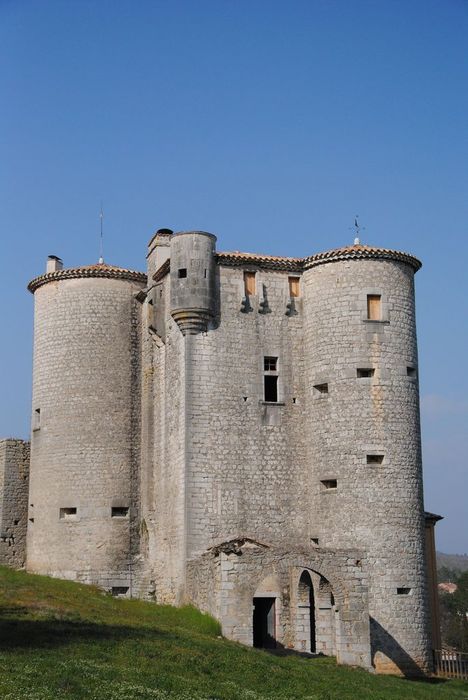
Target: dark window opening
[264,623]
[271,388]
[374,459]
[119,590]
[182,272]
[321,388]
[270,364]
[403,591]
[31,520]
[15,522]
[365,372]
[120,511]
[329,484]
[314,540]
[66,513]
[205,273]
[294,399]
[411,371]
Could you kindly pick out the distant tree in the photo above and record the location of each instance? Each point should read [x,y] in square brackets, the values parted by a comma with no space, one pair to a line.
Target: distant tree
[454,609]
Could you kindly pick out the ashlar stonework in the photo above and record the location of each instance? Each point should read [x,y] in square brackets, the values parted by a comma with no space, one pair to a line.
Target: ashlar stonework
[237,431]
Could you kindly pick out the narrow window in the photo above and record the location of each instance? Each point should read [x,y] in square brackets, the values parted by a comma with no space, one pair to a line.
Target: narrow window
[403,591]
[120,512]
[119,591]
[329,484]
[374,310]
[271,388]
[374,459]
[270,364]
[37,419]
[249,283]
[182,272]
[67,513]
[293,286]
[411,371]
[363,372]
[321,388]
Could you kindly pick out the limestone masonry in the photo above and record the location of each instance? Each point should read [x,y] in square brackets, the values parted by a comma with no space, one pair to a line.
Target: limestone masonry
[237,431]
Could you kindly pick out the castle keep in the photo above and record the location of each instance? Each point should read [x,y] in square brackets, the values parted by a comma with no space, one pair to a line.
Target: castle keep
[237,431]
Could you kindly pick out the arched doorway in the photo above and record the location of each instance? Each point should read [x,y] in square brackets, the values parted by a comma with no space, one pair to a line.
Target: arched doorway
[305,624]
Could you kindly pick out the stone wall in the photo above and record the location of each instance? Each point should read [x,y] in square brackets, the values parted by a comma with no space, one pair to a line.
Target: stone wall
[225,580]
[381,503]
[14,482]
[86,430]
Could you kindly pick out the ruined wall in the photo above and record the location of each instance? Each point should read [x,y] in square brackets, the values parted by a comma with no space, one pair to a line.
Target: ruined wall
[14,482]
[225,580]
[85,437]
[376,506]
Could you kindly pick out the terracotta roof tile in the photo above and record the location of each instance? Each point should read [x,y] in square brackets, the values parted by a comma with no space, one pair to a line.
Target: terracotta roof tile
[98,270]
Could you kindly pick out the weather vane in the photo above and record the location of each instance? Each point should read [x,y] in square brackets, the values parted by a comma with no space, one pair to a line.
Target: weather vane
[101,246]
[357,228]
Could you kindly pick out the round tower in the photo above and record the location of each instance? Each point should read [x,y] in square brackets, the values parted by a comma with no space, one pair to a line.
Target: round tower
[192,280]
[364,435]
[84,447]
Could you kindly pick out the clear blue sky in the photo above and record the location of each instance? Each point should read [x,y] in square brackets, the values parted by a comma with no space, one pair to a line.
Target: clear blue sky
[268,123]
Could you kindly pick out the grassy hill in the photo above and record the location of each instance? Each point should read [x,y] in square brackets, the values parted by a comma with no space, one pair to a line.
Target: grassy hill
[59,639]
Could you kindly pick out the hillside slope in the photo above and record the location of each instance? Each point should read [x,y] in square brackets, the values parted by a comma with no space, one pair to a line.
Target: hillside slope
[457,562]
[60,639]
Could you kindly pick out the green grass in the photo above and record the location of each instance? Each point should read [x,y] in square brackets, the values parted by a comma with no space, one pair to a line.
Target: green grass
[60,639]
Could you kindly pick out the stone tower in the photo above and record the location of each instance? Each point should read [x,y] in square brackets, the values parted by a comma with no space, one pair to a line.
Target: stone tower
[240,432]
[83,497]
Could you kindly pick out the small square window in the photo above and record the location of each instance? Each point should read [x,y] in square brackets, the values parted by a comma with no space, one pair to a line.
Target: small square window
[119,591]
[329,484]
[374,307]
[314,540]
[270,364]
[411,371]
[120,511]
[363,372]
[293,283]
[182,272]
[374,459]
[321,388]
[68,513]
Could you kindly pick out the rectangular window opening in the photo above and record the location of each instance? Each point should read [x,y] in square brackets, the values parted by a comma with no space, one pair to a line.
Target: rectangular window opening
[271,388]
[293,283]
[249,283]
[314,540]
[67,513]
[120,511]
[329,484]
[321,388]
[363,372]
[403,591]
[119,591]
[411,371]
[182,272]
[37,419]
[374,459]
[270,364]
[374,307]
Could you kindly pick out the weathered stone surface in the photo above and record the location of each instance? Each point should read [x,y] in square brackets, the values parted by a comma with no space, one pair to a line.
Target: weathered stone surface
[152,399]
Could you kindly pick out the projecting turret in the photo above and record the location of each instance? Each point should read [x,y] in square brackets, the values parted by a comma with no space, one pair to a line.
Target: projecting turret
[192,280]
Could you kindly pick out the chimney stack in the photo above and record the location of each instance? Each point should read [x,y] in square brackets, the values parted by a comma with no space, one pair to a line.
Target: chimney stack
[54,263]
